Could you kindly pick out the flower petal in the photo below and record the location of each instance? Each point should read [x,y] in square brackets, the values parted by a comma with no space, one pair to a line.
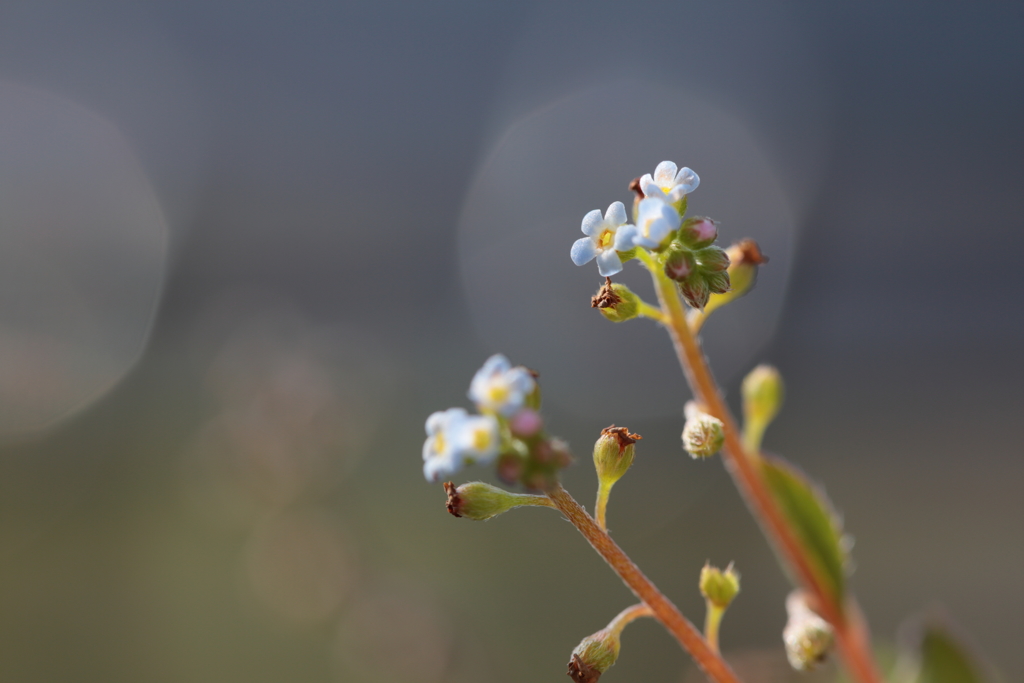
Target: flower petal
[608,263]
[592,223]
[435,468]
[688,179]
[665,174]
[649,187]
[583,251]
[615,215]
[624,237]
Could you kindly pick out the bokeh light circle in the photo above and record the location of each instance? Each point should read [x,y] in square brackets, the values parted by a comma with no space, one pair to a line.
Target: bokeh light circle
[83,249]
[523,212]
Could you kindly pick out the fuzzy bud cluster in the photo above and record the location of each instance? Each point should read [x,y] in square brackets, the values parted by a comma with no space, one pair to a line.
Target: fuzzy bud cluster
[696,264]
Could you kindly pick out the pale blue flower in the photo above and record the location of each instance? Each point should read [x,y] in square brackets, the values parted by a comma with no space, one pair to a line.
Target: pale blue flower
[655,221]
[498,387]
[604,239]
[667,184]
[455,439]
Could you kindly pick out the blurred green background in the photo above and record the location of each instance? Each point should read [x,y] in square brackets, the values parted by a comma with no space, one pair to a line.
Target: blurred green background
[246,249]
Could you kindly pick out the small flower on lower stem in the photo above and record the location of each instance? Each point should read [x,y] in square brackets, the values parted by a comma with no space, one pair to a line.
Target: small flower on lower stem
[454,439]
[604,240]
[668,184]
[498,387]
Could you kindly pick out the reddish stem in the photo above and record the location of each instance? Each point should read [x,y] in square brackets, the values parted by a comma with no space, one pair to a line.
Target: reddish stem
[662,608]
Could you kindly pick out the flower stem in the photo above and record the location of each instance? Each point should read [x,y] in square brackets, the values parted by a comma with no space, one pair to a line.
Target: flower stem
[743,467]
[627,616]
[645,310]
[661,607]
[712,619]
[600,507]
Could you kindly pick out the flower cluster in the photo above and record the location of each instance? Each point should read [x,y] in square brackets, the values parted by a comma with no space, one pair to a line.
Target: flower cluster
[685,249]
[508,430]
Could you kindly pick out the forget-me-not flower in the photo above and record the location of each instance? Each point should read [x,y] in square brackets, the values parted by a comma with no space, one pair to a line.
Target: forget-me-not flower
[667,184]
[655,220]
[498,387]
[605,237]
[455,438]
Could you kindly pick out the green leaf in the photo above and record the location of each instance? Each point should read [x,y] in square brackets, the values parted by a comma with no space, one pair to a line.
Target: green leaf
[816,525]
[943,657]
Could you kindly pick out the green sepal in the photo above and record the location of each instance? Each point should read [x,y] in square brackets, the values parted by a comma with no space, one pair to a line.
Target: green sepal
[680,206]
[816,524]
[627,255]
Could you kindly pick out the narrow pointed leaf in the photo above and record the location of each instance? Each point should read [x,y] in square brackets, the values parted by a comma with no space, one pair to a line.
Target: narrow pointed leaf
[816,525]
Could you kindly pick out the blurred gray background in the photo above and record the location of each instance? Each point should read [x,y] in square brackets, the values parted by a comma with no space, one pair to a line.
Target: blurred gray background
[246,249]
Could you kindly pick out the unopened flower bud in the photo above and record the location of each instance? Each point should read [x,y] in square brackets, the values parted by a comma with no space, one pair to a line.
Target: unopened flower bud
[526,423]
[679,264]
[712,259]
[762,395]
[808,637]
[477,500]
[695,290]
[702,434]
[510,468]
[718,587]
[698,232]
[594,655]
[480,501]
[613,453]
[718,283]
[616,302]
[744,258]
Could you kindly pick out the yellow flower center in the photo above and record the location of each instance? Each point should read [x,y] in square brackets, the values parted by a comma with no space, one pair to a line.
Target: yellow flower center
[498,393]
[481,439]
[606,239]
[439,443]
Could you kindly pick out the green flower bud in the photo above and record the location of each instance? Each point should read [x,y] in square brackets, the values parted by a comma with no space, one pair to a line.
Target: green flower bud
[808,637]
[718,587]
[719,282]
[695,290]
[712,259]
[616,302]
[679,264]
[613,453]
[480,501]
[594,655]
[698,232]
[702,434]
[762,397]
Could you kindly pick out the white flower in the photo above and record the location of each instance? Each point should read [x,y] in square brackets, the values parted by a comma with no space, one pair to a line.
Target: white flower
[655,220]
[604,240]
[498,387]
[454,439]
[668,185]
